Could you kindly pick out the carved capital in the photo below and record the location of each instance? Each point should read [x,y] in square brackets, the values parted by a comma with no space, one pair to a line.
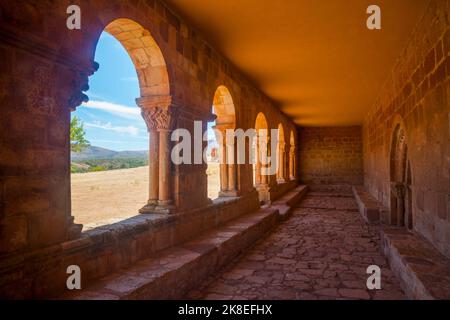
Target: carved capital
[158,112]
[80,84]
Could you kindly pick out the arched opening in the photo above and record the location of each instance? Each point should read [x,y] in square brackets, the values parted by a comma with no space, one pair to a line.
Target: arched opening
[222,175]
[281,155]
[292,162]
[401,179]
[261,180]
[131,66]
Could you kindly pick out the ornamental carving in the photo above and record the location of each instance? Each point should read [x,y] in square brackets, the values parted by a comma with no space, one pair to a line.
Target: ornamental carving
[159,118]
[159,112]
[80,84]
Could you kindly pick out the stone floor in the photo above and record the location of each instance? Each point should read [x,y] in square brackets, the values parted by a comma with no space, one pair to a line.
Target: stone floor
[321,252]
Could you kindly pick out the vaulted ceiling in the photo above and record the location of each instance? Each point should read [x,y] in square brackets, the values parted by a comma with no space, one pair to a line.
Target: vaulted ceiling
[315,59]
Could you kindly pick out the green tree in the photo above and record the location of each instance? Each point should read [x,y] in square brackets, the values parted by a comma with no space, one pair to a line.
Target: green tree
[78,141]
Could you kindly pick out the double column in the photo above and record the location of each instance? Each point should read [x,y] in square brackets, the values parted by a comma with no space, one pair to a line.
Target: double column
[281,163]
[228,172]
[262,153]
[159,114]
[292,163]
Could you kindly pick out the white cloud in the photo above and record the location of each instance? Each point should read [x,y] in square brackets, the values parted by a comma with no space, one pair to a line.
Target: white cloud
[116,109]
[108,126]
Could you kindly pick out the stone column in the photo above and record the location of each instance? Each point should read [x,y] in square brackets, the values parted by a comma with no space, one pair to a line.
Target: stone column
[257,163]
[291,163]
[164,199]
[154,167]
[221,140]
[281,160]
[232,178]
[153,164]
[228,176]
[159,115]
[266,151]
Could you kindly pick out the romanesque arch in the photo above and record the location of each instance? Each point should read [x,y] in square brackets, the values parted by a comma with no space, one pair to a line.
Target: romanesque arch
[400,179]
[146,55]
[156,106]
[223,108]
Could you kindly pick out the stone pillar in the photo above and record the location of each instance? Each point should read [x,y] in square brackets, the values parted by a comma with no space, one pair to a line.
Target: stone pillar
[267,152]
[292,163]
[153,167]
[228,176]
[153,163]
[232,158]
[159,115]
[263,186]
[220,137]
[257,163]
[281,163]
[164,199]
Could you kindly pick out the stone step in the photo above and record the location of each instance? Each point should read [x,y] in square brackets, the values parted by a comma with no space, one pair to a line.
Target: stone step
[423,271]
[179,269]
[287,202]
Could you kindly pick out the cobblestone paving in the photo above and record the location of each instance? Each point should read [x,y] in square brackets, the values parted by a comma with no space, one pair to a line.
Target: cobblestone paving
[321,252]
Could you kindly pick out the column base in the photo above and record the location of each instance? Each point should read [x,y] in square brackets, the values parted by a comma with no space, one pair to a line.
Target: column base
[228,194]
[264,193]
[148,208]
[165,207]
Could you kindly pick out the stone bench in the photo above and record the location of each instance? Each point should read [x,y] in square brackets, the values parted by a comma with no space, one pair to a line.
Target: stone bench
[423,271]
[369,207]
[287,202]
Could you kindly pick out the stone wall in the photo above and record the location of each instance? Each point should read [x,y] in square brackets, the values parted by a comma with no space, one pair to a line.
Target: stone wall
[331,156]
[415,98]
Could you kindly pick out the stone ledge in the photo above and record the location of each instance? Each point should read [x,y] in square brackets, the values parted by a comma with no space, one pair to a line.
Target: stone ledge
[109,248]
[286,203]
[369,208]
[178,269]
[424,273]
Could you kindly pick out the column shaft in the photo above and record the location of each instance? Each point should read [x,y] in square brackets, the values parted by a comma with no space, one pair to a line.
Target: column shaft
[154,167]
[164,168]
[223,166]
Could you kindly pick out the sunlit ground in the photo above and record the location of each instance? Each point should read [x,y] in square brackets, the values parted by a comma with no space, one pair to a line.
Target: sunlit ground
[100,198]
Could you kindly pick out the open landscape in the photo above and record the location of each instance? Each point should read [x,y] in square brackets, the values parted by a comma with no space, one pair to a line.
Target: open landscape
[105,197]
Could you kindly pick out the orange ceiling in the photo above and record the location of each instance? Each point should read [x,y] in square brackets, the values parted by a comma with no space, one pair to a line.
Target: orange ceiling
[316,59]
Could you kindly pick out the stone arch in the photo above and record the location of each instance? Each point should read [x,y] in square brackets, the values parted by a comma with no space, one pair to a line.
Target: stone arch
[400,178]
[156,104]
[225,112]
[292,151]
[146,55]
[281,155]
[83,213]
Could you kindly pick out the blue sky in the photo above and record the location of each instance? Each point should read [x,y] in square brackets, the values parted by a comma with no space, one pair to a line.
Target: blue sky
[111,118]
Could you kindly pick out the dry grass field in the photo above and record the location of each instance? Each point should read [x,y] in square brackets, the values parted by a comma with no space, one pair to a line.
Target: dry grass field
[106,197]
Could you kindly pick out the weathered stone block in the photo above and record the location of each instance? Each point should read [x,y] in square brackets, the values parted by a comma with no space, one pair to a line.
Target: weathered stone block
[14,232]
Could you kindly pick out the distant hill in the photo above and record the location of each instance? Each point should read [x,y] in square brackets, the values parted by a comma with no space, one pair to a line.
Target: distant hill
[91,153]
